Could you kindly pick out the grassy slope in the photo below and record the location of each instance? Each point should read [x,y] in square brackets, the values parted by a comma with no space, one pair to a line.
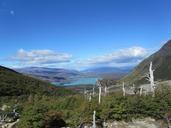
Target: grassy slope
[15,84]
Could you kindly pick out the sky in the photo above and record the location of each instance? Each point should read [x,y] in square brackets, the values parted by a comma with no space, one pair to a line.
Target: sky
[79,34]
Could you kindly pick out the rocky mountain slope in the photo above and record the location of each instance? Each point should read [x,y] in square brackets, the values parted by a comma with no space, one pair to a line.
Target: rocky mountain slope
[161,64]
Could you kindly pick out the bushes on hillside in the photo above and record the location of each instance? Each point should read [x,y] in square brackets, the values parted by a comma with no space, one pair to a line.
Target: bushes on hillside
[46,110]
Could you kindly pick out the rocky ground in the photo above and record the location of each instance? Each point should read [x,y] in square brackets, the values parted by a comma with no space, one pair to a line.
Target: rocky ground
[139,123]
[10,125]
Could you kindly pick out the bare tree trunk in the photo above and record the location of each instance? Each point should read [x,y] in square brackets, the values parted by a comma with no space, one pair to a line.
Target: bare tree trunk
[100,90]
[94,119]
[93,92]
[123,89]
[141,91]
[105,90]
[90,97]
[151,79]
[100,93]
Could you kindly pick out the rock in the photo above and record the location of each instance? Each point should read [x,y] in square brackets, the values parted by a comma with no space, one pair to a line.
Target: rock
[4,107]
[138,123]
[99,124]
[86,125]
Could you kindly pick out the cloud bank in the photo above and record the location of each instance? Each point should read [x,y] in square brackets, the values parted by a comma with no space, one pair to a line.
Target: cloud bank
[120,58]
[48,58]
[40,58]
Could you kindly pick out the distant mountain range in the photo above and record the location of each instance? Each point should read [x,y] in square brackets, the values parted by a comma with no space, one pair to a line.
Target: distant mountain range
[57,75]
[13,83]
[21,81]
[50,74]
[109,72]
[161,64]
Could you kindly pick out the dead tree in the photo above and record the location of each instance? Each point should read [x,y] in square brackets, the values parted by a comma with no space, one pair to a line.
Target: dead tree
[94,119]
[123,89]
[150,78]
[105,90]
[141,91]
[90,97]
[93,92]
[100,90]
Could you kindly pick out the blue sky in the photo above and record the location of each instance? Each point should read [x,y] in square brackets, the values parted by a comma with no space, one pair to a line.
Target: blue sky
[81,33]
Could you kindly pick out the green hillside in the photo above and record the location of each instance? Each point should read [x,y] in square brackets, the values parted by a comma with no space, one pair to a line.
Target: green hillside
[49,111]
[161,64]
[16,84]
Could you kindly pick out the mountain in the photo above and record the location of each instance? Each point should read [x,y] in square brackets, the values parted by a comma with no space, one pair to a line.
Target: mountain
[13,83]
[161,64]
[108,72]
[54,75]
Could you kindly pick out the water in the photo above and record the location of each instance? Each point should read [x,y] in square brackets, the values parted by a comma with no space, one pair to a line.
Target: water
[80,81]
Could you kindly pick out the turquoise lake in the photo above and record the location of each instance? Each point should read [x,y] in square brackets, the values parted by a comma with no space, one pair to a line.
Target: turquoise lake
[80,81]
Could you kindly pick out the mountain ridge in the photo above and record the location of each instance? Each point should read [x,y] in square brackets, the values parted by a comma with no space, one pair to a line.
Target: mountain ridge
[161,64]
[60,75]
[13,83]
[109,72]
[109,69]
[53,75]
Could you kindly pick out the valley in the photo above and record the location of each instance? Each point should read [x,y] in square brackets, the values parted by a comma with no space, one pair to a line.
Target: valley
[70,77]
[85,64]
[49,102]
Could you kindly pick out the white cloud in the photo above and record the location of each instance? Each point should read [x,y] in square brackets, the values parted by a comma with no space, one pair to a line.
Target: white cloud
[40,58]
[48,58]
[124,57]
